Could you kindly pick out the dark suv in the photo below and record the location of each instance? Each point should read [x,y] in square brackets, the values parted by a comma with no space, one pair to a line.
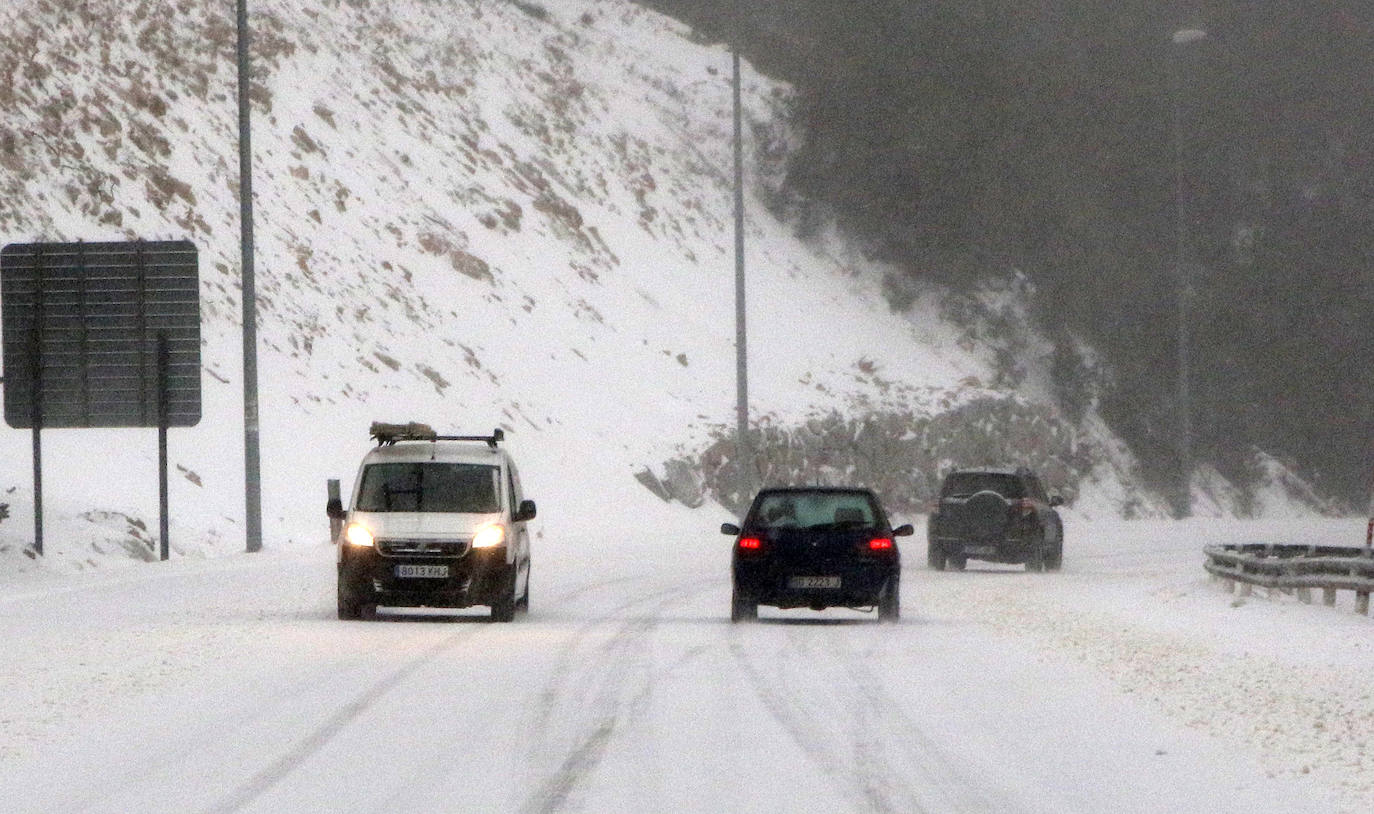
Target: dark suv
[815,547]
[996,515]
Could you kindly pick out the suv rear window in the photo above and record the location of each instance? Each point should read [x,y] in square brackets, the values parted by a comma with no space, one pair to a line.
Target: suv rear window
[430,487]
[809,509]
[963,484]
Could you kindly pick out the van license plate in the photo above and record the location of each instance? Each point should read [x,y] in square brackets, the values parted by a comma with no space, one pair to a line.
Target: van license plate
[423,571]
[813,582]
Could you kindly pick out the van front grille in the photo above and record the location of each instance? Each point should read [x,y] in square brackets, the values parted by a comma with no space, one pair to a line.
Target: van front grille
[422,548]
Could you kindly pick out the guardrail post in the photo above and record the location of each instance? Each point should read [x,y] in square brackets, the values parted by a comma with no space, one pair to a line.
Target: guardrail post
[1329,597]
[1245,589]
[1305,596]
[1362,603]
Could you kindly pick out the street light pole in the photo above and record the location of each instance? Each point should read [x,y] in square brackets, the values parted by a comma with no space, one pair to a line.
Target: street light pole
[251,461]
[743,455]
[1181,38]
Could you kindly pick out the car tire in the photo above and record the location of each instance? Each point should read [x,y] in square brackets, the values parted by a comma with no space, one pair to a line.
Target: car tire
[957,562]
[935,557]
[742,610]
[890,603]
[503,609]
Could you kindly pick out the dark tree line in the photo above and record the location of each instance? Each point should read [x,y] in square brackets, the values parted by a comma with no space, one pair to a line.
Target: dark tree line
[966,138]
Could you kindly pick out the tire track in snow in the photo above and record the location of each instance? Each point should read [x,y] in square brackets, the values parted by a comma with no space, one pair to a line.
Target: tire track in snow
[283,766]
[798,710]
[603,688]
[855,733]
[884,731]
[263,781]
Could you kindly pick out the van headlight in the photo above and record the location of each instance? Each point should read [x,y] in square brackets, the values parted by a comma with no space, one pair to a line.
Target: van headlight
[358,534]
[489,536]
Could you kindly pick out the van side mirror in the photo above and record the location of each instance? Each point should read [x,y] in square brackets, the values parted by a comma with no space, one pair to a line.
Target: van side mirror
[334,508]
[525,512]
[904,530]
[729,528]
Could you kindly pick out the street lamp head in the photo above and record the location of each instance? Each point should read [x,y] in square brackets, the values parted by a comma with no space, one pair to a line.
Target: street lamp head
[1185,36]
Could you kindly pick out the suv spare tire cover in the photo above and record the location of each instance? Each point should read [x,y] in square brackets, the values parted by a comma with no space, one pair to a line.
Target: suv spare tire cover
[985,515]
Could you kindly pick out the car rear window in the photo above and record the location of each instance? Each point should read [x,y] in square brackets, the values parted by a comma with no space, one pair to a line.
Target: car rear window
[963,484]
[811,509]
[429,487]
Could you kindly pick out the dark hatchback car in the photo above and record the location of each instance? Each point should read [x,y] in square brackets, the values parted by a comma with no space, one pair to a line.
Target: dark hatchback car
[815,547]
[995,515]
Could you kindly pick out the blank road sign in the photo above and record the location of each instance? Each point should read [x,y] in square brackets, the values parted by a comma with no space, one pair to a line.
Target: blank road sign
[85,320]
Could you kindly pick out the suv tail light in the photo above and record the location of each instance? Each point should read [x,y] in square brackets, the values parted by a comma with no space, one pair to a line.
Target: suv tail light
[880,544]
[1024,508]
[750,543]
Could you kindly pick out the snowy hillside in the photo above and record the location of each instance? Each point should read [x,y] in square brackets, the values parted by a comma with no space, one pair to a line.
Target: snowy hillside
[473,214]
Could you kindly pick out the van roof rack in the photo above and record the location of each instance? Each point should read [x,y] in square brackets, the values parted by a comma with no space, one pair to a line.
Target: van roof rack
[386,434]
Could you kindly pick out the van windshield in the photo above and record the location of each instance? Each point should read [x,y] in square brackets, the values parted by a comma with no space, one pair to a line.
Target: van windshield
[429,487]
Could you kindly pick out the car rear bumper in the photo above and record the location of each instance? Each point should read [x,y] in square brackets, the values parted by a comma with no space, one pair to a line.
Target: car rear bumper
[480,577]
[1003,549]
[769,584]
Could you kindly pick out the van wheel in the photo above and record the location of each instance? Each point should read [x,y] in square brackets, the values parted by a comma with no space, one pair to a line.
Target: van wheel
[503,609]
[523,606]
[349,606]
[348,609]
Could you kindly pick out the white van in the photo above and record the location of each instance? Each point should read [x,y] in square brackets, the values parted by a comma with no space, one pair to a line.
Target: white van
[436,521]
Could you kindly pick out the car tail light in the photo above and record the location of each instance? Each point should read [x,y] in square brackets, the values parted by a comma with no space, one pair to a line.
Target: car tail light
[1024,507]
[750,543]
[880,544]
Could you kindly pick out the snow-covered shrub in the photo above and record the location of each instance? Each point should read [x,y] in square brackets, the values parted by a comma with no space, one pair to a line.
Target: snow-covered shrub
[900,455]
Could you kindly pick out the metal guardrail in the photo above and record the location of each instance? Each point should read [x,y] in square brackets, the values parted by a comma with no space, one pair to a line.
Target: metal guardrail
[1295,569]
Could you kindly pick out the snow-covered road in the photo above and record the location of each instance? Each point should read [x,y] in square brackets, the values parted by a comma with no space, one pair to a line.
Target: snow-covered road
[1119,685]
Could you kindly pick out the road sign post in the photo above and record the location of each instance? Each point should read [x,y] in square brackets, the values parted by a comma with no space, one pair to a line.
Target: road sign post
[100,335]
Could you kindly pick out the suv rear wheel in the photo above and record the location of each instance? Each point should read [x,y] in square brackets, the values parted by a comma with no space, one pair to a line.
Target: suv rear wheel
[935,557]
[1055,561]
[1039,557]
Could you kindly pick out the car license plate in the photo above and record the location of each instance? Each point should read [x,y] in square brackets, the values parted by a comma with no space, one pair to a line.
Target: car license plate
[423,571]
[813,582]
